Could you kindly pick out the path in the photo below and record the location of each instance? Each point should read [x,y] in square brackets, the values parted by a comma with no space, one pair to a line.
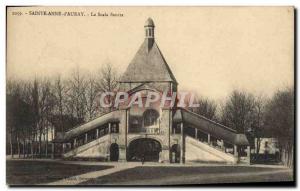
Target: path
[74,180]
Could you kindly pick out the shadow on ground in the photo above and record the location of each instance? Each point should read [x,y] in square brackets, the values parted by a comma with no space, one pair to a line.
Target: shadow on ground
[192,175]
[21,172]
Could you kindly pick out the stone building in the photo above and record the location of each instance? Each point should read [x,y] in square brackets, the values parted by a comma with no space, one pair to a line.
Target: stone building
[154,133]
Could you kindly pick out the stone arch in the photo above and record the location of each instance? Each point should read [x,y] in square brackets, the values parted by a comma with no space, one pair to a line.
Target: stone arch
[143,136]
[144,149]
[142,89]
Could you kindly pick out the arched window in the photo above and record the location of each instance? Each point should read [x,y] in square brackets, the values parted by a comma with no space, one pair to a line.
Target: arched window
[150,117]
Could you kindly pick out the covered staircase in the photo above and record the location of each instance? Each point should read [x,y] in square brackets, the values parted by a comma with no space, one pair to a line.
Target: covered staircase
[91,140]
[206,141]
[198,139]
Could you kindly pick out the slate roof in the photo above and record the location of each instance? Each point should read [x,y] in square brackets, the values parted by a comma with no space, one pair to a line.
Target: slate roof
[113,116]
[148,65]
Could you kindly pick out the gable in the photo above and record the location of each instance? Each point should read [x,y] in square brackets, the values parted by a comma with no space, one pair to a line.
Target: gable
[148,65]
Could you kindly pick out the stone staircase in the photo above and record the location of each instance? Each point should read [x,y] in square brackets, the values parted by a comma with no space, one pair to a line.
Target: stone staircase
[197,151]
[94,149]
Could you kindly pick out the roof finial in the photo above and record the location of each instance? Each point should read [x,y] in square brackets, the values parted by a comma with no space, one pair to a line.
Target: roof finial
[149,28]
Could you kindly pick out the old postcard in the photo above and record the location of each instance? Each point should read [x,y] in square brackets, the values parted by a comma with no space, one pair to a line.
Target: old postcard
[150,96]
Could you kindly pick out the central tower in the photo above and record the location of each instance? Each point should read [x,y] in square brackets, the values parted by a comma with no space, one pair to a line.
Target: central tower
[148,72]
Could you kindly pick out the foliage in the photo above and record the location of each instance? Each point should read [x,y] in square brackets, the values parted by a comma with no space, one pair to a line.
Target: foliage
[207,108]
[238,110]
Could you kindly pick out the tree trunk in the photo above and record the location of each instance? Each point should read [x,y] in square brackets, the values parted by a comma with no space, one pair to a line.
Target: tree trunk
[27,152]
[27,142]
[24,151]
[46,152]
[11,146]
[18,144]
[287,156]
[31,146]
[40,144]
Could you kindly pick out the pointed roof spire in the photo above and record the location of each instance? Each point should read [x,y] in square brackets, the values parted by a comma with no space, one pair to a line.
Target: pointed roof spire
[149,23]
[149,29]
[149,32]
[148,63]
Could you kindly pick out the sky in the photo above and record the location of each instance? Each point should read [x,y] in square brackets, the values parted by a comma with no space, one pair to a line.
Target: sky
[210,50]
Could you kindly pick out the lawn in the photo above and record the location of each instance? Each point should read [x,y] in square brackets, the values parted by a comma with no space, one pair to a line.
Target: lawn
[21,172]
[192,175]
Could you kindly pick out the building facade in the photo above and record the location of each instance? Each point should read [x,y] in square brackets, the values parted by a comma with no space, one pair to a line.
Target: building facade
[155,133]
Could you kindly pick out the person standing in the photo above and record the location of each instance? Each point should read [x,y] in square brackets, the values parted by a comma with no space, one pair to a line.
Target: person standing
[143,158]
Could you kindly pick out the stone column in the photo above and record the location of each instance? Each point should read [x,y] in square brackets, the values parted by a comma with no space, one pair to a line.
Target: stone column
[165,154]
[97,133]
[74,144]
[196,133]
[109,128]
[248,154]
[222,145]
[108,154]
[235,154]
[122,153]
[208,139]
[86,138]
[182,157]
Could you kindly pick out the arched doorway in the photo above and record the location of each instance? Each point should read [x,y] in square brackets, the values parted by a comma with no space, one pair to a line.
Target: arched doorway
[175,153]
[114,152]
[144,147]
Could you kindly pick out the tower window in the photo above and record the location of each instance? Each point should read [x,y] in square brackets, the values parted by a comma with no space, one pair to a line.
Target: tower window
[150,117]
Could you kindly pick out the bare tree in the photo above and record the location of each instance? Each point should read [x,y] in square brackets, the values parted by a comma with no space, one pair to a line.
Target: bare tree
[60,92]
[47,110]
[238,110]
[257,127]
[19,116]
[28,96]
[108,81]
[76,103]
[207,108]
[11,90]
[42,102]
[90,97]
[280,120]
